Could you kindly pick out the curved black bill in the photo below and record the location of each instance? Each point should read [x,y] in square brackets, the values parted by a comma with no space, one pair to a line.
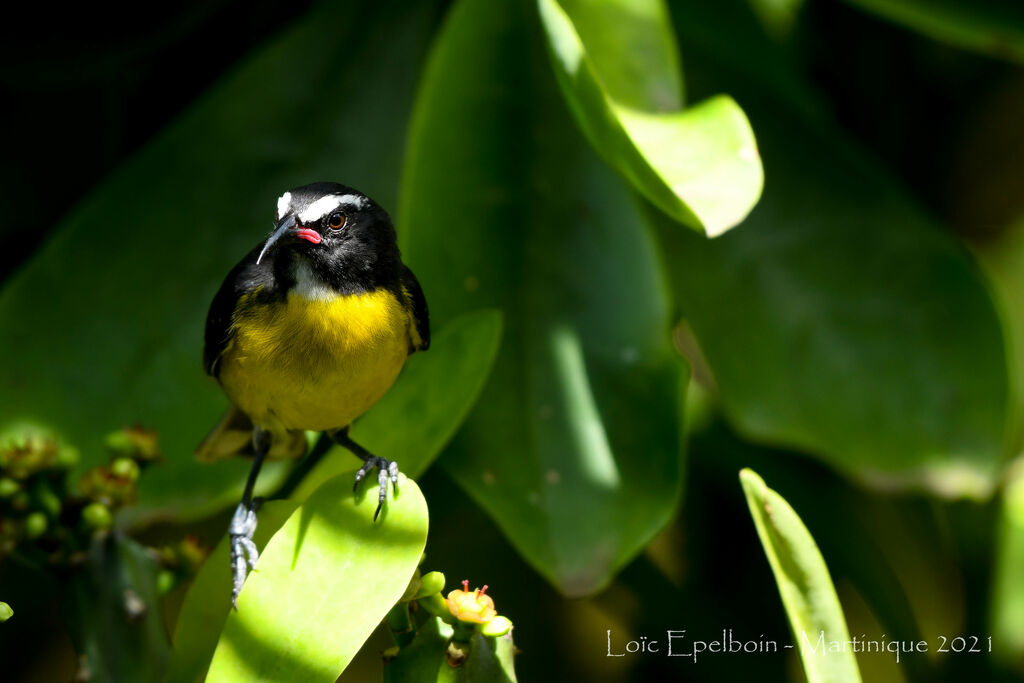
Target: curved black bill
[285,226]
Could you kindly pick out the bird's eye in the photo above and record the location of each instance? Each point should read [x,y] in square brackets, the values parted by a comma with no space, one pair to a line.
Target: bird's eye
[336,221]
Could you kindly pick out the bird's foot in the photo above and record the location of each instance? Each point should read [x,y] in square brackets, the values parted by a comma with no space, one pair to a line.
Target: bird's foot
[386,469]
[243,551]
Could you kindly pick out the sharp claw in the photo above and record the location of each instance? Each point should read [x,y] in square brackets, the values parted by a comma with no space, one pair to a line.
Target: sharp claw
[386,469]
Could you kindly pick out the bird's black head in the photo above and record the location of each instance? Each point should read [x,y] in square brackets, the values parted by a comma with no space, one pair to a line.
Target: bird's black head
[330,235]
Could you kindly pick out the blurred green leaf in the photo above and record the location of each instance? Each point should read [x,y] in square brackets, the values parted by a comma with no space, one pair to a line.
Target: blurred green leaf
[431,398]
[808,595]
[208,601]
[839,319]
[573,447]
[777,16]
[128,275]
[992,27]
[111,607]
[490,660]
[1007,606]
[1003,261]
[5,612]
[322,585]
[617,66]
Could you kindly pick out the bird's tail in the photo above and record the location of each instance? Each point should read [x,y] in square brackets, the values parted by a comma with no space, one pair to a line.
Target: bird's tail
[232,436]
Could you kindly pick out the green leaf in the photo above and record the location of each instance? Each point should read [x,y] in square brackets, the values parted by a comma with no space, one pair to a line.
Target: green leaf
[430,400]
[1007,606]
[617,66]
[5,612]
[839,319]
[804,584]
[208,601]
[490,660]
[573,448]
[1003,261]
[322,585]
[992,27]
[112,610]
[128,276]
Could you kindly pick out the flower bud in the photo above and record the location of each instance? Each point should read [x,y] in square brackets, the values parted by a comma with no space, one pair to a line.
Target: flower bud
[498,626]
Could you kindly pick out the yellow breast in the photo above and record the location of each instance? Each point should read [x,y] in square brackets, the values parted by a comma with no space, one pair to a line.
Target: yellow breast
[315,363]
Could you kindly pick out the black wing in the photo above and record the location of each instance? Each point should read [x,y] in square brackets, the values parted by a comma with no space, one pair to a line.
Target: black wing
[246,278]
[420,313]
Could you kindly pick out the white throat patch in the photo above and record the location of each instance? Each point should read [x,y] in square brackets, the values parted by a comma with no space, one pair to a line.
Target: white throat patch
[309,286]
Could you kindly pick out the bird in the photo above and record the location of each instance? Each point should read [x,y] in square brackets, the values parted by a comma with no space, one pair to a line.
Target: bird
[307,332]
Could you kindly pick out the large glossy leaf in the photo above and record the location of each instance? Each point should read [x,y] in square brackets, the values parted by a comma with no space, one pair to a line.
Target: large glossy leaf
[323,584]
[419,415]
[103,327]
[839,319]
[993,27]
[618,69]
[573,447]
[808,595]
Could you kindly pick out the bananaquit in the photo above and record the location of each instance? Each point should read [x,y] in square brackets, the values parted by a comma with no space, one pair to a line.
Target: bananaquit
[307,332]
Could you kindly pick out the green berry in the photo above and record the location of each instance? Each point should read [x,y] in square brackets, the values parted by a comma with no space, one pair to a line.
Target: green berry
[8,487]
[165,581]
[35,525]
[431,582]
[125,468]
[97,516]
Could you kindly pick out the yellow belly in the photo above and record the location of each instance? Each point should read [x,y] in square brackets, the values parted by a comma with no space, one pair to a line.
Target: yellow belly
[315,363]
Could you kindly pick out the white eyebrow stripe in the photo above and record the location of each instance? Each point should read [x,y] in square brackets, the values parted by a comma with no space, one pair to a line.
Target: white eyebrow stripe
[325,205]
[284,202]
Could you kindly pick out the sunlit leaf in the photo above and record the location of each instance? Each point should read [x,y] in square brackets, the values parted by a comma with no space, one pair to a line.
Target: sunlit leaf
[617,66]
[808,595]
[208,601]
[127,277]
[573,447]
[1008,592]
[322,584]
[431,398]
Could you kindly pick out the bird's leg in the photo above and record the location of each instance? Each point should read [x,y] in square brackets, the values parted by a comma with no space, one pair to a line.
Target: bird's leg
[386,469]
[243,525]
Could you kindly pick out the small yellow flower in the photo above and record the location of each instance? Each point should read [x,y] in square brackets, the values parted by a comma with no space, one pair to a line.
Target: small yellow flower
[471,606]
